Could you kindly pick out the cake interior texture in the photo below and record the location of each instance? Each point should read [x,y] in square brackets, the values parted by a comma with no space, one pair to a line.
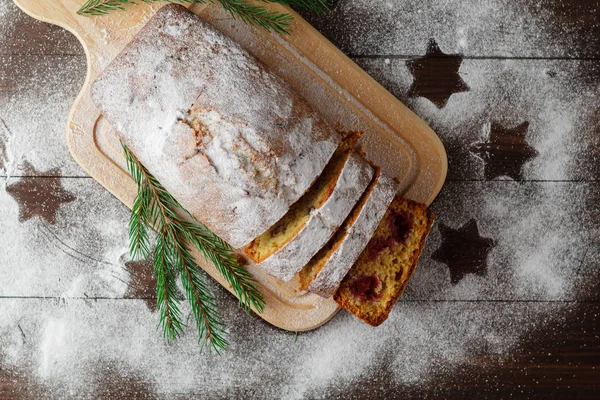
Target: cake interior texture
[316,264]
[299,213]
[379,276]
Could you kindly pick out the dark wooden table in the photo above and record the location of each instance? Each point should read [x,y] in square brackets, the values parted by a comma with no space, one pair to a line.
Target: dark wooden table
[505,301]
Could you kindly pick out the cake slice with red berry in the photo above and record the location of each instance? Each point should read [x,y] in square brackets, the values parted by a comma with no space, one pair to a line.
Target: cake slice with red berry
[379,276]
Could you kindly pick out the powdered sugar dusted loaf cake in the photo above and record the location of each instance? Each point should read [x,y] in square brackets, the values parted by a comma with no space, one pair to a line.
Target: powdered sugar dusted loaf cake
[325,271]
[227,138]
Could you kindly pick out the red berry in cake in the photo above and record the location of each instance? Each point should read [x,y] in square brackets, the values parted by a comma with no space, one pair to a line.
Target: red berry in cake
[401,225]
[376,246]
[365,288]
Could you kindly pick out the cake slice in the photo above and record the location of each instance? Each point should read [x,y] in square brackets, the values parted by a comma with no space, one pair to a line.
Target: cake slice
[379,276]
[289,245]
[323,274]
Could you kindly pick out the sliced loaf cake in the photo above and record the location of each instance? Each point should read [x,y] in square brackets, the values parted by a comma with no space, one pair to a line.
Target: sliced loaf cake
[323,274]
[290,244]
[379,276]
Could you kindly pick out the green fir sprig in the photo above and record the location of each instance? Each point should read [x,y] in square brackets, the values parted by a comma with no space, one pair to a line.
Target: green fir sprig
[244,10]
[101,7]
[177,232]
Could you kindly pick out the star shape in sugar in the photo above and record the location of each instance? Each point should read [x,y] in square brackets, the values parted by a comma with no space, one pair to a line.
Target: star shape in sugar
[142,284]
[40,194]
[463,250]
[505,152]
[436,75]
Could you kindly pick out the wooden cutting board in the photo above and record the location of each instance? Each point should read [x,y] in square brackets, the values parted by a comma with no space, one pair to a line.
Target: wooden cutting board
[348,98]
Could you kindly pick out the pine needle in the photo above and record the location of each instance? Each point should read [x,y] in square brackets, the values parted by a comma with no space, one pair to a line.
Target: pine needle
[226,262]
[208,321]
[154,206]
[243,10]
[139,246]
[166,293]
[101,7]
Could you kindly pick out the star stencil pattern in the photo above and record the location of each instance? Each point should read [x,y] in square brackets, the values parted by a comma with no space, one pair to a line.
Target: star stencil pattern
[436,75]
[142,284]
[463,250]
[40,197]
[506,151]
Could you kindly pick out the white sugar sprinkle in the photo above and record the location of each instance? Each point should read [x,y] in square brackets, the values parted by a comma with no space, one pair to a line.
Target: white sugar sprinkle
[64,343]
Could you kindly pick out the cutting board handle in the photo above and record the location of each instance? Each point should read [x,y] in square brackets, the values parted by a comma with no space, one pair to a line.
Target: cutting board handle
[58,12]
[102,37]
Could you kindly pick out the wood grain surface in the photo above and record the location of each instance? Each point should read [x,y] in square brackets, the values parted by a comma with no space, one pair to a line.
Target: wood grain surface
[523,78]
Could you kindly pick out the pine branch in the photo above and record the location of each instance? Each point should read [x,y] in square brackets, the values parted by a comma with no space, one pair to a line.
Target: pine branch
[166,293]
[257,15]
[210,325]
[154,206]
[139,246]
[101,7]
[166,287]
[226,262]
[239,9]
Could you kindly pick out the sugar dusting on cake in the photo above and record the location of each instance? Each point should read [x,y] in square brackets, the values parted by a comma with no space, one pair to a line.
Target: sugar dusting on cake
[262,120]
[63,342]
[355,237]
[353,179]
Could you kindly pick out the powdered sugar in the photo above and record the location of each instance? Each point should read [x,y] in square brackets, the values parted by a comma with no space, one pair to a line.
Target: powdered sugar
[7,156]
[64,342]
[556,105]
[38,38]
[538,250]
[34,103]
[75,257]
[481,28]
[418,340]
